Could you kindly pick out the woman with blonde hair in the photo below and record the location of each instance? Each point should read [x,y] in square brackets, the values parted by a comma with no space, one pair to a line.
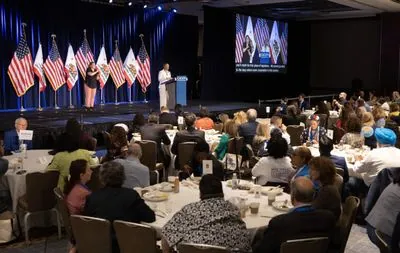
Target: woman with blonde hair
[379,116]
[240,117]
[368,129]
[262,135]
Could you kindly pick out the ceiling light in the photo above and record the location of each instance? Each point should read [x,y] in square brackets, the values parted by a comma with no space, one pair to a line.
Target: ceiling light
[174,10]
[110,1]
[130,3]
[145,6]
[159,8]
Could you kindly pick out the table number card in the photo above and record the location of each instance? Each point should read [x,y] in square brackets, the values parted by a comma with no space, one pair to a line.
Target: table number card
[207,167]
[180,120]
[26,135]
[329,133]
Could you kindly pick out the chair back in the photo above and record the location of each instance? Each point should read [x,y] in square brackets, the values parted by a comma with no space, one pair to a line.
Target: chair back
[63,210]
[295,132]
[200,248]
[338,134]
[235,145]
[346,220]
[167,126]
[340,171]
[91,234]
[309,245]
[219,127]
[149,153]
[39,190]
[134,237]
[382,245]
[339,183]
[185,151]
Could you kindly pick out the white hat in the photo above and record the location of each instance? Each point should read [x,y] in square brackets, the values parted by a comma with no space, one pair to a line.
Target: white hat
[124,126]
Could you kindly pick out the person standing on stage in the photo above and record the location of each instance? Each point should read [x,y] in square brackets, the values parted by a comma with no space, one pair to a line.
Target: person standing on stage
[163,76]
[92,77]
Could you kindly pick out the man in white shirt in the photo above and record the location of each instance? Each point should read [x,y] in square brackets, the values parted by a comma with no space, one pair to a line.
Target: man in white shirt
[276,122]
[386,155]
[163,76]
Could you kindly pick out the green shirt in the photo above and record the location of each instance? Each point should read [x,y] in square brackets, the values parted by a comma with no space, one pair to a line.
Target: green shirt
[222,147]
[62,161]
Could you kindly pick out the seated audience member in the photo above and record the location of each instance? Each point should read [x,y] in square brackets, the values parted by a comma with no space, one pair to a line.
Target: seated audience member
[113,202]
[276,123]
[395,97]
[384,213]
[154,132]
[367,129]
[248,130]
[62,160]
[240,117]
[205,122]
[314,132]
[361,104]
[394,110]
[303,104]
[291,118]
[75,188]
[368,167]
[138,122]
[302,221]
[11,138]
[276,167]
[379,116]
[353,136]
[231,131]
[262,136]
[178,110]
[325,148]
[323,174]
[201,152]
[3,162]
[118,145]
[338,104]
[136,174]
[188,135]
[212,220]
[322,109]
[167,118]
[300,158]
[275,132]
[344,115]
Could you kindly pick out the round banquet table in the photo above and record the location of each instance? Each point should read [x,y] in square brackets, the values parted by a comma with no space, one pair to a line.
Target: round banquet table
[190,194]
[36,161]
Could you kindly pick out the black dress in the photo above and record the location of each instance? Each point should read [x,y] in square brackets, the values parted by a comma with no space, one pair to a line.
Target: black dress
[91,81]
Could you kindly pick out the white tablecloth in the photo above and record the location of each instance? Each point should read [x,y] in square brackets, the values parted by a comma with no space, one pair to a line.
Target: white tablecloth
[17,183]
[189,195]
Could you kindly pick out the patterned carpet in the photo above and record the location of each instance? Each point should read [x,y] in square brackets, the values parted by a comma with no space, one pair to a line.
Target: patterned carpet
[358,243]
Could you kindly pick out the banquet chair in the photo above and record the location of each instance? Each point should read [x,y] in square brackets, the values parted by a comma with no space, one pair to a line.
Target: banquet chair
[339,183]
[295,132]
[347,219]
[65,215]
[200,248]
[39,197]
[382,245]
[219,127]
[167,126]
[235,147]
[149,158]
[185,151]
[133,237]
[309,245]
[91,234]
[340,171]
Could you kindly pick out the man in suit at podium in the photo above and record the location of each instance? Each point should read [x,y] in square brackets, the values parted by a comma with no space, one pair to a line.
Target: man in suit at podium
[163,76]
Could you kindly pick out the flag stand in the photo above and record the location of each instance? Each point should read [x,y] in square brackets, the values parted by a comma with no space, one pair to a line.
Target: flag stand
[22,109]
[116,96]
[130,95]
[71,106]
[144,100]
[40,107]
[101,97]
[55,101]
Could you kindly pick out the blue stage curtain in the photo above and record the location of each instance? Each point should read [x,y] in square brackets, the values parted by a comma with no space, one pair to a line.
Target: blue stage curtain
[104,25]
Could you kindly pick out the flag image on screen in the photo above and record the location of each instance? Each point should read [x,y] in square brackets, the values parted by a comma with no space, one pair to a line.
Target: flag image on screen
[261,45]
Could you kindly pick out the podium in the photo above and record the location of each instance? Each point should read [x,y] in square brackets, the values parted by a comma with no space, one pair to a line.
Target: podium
[176,90]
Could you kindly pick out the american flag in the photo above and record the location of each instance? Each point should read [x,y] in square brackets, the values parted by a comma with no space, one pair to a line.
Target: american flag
[54,67]
[117,69]
[261,33]
[144,76]
[239,40]
[284,48]
[83,57]
[20,70]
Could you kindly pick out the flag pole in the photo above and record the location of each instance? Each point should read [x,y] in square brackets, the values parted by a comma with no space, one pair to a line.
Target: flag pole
[22,109]
[101,97]
[116,88]
[40,107]
[71,106]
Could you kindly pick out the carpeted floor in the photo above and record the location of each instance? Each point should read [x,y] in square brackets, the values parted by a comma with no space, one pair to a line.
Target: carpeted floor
[358,243]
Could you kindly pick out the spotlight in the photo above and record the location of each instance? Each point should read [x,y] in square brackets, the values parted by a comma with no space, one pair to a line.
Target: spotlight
[130,3]
[159,8]
[174,10]
[145,6]
[110,1]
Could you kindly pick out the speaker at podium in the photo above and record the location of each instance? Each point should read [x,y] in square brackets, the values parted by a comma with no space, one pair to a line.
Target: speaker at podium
[176,90]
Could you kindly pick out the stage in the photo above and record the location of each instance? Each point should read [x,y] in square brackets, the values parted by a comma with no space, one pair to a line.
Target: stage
[47,124]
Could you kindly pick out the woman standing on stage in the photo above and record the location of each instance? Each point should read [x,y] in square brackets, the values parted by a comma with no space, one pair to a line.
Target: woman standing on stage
[92,76]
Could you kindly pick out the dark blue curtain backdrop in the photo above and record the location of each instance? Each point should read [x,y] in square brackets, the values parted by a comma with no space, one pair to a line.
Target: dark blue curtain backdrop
[168,37]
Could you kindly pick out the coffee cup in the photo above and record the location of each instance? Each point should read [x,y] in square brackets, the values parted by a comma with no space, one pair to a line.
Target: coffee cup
[254,206]
[171,179]
[271,198]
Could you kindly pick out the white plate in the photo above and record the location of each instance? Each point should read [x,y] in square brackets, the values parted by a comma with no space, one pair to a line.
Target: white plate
[282,205]
[155,196]
[271,189]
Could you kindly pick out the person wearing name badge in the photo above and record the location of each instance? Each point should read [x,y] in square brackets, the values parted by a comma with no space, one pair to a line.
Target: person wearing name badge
[92,77]
[163,76]
[11,137]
